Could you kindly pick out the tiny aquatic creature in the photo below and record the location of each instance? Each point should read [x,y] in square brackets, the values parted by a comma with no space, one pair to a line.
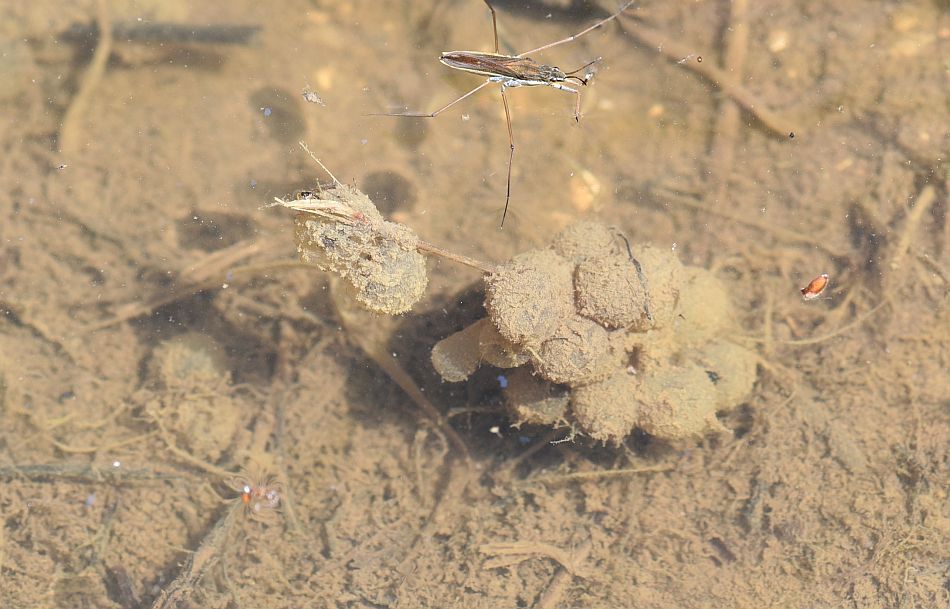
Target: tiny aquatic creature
[259,493]
[312,96]
[815,287]
[512,71]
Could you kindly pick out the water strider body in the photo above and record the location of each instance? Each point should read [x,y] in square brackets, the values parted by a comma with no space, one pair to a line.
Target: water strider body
[512,71]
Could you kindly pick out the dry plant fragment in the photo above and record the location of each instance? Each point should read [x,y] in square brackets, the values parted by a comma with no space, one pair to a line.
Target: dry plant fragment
[339,230]
[509,553]
[197,563]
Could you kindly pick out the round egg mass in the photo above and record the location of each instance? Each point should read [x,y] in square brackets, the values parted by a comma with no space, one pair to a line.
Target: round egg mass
[732,369]
[610,291]
[705,308]
[579,351]
[535,401]
[664,279]
[607,410]
[678,403]
[584,240]
[390,278]
[378,259]
[530,296]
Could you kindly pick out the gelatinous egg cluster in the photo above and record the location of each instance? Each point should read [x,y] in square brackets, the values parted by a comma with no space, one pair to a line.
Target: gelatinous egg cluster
[606,337]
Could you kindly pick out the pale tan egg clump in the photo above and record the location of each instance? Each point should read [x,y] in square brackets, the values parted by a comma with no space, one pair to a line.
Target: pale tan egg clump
[605,337]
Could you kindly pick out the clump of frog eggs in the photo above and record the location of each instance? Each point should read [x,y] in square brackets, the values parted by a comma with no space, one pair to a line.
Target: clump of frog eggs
[602,336]
[606,337]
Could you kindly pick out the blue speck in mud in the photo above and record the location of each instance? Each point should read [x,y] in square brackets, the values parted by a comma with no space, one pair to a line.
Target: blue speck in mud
[267,110]
[524,440]
[502,381]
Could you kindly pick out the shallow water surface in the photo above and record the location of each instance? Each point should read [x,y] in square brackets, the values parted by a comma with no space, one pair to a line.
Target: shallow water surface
[169,373]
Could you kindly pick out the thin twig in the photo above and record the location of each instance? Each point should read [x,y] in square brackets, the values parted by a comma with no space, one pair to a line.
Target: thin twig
[925,200]
[506,469]
[198,562]
[782,233]
[506,554]
[158,33]
[551,597]
[207,273]
[267,428]
[393,369]
[427,248]
[188,457]
[819,339]
[676,52]
[72,128]
[596,474]
[86,473]
[72,449]
[723,153]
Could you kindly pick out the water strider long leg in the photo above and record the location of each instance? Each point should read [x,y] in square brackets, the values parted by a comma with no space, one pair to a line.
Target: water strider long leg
[494,23]
[559,87]
[440,110]
[577,101]
[511,155]
[577,95]
[577,35]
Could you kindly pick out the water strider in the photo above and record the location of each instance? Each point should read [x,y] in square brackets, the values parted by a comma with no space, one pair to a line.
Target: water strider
[512,71]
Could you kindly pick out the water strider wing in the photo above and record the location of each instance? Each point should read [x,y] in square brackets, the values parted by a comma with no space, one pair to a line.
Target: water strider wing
[492,64]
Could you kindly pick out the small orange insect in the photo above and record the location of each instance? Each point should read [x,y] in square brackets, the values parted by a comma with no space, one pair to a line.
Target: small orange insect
[815,287]
[259,493]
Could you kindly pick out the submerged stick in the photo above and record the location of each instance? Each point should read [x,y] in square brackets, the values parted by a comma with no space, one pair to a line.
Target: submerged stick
[163,32]
[767,227]
[427,248]
[723,151]
[676,52]
[71,127]
[198,562]
[85,473]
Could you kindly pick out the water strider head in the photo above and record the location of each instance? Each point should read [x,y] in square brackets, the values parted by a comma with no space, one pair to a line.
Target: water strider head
[552,74]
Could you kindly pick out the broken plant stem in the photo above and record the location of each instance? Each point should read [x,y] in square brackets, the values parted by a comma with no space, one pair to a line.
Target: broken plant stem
[197,563]
[429,249]
[674,51]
